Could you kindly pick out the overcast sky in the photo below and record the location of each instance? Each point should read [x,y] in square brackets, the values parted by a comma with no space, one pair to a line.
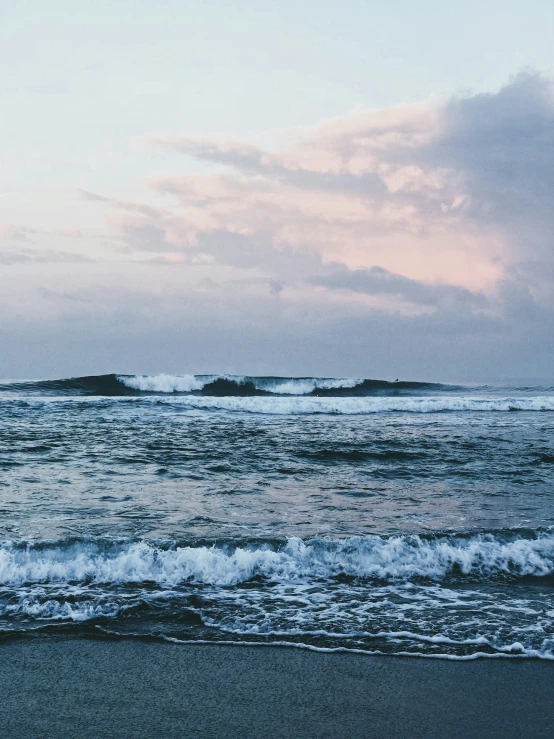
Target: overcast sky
[294,188]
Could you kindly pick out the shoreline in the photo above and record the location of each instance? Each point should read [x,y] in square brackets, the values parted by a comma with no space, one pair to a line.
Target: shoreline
[95,688]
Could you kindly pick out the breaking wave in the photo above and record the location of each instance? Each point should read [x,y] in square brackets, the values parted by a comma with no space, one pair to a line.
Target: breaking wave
[365,406]
[395,558]
[451,596]
[288,395]
[215,385]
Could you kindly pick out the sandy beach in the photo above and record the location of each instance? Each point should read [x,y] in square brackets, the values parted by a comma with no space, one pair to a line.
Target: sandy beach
[92,689]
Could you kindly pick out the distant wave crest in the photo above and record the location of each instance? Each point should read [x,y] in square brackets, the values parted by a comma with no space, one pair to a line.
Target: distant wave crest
[216,385]
[288,395]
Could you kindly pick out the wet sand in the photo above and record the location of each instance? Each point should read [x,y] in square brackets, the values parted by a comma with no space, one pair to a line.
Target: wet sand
[54,687]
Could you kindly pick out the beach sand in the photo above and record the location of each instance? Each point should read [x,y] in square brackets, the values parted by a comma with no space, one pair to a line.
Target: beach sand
[78,688]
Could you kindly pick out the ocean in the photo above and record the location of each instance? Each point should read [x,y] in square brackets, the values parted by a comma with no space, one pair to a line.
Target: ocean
[395,518]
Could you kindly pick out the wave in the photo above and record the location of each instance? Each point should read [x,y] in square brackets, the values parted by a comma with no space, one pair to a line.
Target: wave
[232,385]
[216,385]
[449,595]
[478,557]
[284,396]
[363,406]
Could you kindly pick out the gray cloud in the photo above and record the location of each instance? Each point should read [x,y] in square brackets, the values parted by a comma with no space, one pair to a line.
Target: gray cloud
[503,146]
[32,256]
[142,208]
[259,251]
[253,161]
[378,281]
[12,232]
[124,331]
[233,153]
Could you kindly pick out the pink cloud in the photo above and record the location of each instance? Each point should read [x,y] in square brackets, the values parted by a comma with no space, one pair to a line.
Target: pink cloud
[394,189]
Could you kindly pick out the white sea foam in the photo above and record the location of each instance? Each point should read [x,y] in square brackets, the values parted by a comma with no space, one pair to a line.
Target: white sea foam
[304,603]
[163,383]
[398,558]
[362,406]
[305,386]
[506,654]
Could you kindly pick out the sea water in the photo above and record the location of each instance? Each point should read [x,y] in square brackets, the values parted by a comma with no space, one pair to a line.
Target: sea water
[329,513]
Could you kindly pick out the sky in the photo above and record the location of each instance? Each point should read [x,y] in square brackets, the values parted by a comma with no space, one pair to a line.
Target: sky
[313,188]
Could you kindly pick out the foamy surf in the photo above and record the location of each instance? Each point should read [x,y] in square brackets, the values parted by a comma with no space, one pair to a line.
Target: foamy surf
[278,386]
[445,596]
[303,406]
[394,558]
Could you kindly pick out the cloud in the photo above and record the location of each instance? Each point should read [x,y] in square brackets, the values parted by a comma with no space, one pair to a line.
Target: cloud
[70,232]
[12,232]
[21,244]
[388,189]
[474,171]
[501,146]
[378,281]
[418,234]
[235,153]
[34,256]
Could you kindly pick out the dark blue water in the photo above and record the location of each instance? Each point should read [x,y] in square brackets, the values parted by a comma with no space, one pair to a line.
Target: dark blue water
[331,513]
